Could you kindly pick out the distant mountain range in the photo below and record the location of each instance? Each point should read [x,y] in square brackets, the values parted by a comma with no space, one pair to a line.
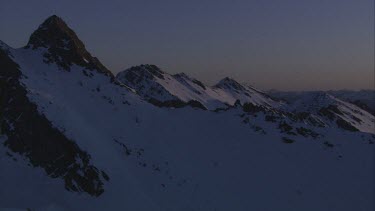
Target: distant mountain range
[364,99]
[161,88]
[76,137]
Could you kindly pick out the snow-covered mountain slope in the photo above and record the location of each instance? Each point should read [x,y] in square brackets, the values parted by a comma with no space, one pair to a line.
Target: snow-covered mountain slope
[364,99]
[72,138]
[322,104]
[161,88]
[158,86]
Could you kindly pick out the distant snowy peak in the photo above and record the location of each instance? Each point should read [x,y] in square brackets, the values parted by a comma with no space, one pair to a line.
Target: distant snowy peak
[364,99]
[158,86]
[163,89]
[145,80]
[63,46]
[346,115]
[144,71]
[246,93]
[230,83]
[313,101]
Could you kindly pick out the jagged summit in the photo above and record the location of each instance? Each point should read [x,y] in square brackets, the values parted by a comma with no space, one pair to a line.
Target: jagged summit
[154,84]
[229,83]
[54,32]
[313,100]
[136,74]
[64,46]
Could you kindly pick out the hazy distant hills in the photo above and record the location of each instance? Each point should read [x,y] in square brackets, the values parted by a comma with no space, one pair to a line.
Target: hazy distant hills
[75,137]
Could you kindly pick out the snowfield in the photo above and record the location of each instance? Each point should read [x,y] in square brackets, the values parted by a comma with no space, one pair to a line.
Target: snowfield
[165,158]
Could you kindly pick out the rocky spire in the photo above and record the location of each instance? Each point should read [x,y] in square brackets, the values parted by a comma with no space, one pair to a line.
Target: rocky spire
[54,32]
[64,46]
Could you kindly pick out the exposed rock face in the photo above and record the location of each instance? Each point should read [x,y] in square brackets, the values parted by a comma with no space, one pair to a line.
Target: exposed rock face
[30,134]
[177,103]
[364,106]
[64,47]
[333,113]
[136,75]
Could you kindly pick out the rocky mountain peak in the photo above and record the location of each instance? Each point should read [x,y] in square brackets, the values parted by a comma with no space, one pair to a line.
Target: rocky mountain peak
[64,46]
[229,83]
[54,32]
[147,71]
[314,101]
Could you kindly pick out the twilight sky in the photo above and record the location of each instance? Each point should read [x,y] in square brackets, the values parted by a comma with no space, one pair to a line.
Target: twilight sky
[271,44]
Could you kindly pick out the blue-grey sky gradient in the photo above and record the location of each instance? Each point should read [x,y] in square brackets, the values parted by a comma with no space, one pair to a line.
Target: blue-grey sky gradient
[280,44]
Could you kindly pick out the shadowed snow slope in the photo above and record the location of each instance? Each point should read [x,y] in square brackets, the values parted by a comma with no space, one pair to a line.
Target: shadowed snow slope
[144,157]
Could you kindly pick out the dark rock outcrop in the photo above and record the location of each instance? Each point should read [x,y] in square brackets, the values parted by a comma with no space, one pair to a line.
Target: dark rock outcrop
[176,103]
[143,71]
[332,112]
[251,108]
[364,106]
